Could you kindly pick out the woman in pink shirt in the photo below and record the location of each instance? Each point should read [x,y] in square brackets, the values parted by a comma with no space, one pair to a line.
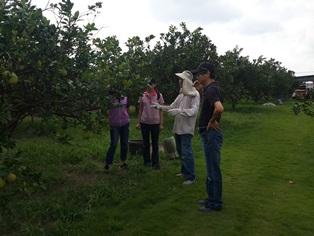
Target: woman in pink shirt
[150,121]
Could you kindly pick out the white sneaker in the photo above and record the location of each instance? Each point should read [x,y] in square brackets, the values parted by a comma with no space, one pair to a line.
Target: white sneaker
[189,182]
[179,175]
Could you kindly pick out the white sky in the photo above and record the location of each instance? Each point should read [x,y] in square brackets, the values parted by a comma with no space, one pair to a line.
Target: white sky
[279,29]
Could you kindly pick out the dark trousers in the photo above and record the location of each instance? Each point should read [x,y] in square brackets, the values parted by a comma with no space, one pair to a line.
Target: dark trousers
[153,131]
[115,133]
[212,142]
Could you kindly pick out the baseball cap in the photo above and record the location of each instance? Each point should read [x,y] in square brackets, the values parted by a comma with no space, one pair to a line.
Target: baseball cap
[204,67]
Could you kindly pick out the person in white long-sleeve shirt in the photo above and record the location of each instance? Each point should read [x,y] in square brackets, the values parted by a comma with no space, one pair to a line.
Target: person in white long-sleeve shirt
[185,109]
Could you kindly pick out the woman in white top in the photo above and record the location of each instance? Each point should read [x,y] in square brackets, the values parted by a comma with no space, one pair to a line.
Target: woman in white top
[185,109]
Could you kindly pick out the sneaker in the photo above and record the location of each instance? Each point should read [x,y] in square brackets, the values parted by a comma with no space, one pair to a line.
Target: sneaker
[106,169]
[189,182]
[207,209]
[202,201]
[180,175]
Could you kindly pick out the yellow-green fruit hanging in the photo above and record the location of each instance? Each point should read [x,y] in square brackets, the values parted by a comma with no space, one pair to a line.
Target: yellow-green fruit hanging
[13,79]
[6,75]
[11,178]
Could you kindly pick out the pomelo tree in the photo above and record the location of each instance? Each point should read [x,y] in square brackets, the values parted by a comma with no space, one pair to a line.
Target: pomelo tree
[232,73]
[178,50]
[260,79]
[54,70]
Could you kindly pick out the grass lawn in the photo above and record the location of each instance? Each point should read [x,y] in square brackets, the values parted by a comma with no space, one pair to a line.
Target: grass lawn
[268,183]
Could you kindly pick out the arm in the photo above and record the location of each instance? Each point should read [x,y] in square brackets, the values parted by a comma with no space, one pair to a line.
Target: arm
[128,107]
[175,104]
[219,109]
[140,110]
[161,124]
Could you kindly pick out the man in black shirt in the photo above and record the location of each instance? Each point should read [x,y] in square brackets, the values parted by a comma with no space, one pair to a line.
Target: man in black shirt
[211,135]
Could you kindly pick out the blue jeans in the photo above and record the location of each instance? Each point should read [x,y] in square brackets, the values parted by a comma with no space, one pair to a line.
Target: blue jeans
[153,130]
[211,143]
[115,132]
[185,152]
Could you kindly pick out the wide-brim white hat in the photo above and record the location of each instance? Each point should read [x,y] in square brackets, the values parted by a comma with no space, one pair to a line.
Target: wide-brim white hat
[186,75]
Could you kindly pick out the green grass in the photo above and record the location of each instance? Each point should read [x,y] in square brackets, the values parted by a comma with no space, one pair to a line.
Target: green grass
[264,148]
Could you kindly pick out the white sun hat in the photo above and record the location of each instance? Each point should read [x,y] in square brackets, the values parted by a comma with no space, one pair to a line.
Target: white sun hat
[187,85]
[186,75]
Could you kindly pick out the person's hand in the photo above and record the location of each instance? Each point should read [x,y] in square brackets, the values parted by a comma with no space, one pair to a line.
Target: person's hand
[198,86]
[214,125]
[174,112]
[161,127]
[156,105]
[138,126]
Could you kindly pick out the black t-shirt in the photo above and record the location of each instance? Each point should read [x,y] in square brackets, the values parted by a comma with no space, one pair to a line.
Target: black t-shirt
[211,94]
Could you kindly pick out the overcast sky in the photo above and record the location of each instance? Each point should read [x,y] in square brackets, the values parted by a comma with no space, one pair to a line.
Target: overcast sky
[279,29]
